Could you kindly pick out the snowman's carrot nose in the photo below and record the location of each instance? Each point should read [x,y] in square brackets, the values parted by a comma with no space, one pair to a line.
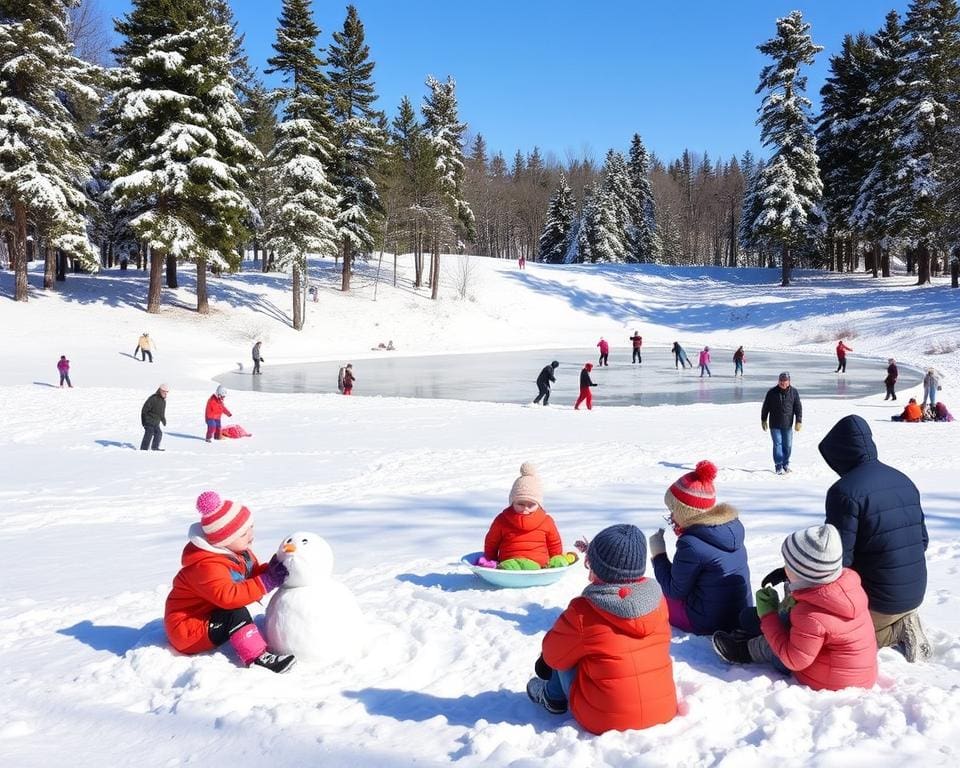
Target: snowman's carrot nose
[291,547]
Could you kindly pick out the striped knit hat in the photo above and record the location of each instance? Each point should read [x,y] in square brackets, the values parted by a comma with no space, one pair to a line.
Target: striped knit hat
[693,495]
[222,520]
[814,554]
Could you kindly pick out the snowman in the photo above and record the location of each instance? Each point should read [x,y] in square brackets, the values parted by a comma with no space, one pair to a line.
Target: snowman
[311,615]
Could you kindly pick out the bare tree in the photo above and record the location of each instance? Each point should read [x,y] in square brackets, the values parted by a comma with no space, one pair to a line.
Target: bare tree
[90,33]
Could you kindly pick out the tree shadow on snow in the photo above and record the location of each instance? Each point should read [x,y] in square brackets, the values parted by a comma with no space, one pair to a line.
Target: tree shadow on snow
[448,582]
[117,640]
[115,444]
[537,619]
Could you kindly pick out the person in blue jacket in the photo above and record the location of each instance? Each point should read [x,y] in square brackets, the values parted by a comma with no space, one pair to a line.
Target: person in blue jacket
[877,510]
[708,583]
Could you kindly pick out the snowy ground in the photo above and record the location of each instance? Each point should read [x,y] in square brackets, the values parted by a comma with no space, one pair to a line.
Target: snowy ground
[401,488]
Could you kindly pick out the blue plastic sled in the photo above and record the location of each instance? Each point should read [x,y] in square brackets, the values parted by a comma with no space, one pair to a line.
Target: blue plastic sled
[515,579]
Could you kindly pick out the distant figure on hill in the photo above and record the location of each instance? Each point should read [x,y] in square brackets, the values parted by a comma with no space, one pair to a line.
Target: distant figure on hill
[680,359]
[152,415]
[144,347]
[705,362]
[522,262]
[585,383]
[891,380]
[257,358]
[637,340]
[63,366]
[544,380]
[842,350]
[782,405]
[738,357]
[604,351]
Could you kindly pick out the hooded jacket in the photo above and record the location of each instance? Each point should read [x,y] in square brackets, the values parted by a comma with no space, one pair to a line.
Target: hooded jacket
[709,575]
[210,579]
[585,381]
[546,376]
[216,408]
[513,534]
[831,643]
[877,510]
[618,637]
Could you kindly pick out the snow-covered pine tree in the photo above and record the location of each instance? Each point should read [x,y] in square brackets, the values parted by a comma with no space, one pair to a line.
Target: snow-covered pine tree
[561,213]
[617,196]
[303,200]
[671,241]
[178,155]
[44,157]
[357,139]
[260,127]
[445,131]
[752,240]
[790,188]
[644,242]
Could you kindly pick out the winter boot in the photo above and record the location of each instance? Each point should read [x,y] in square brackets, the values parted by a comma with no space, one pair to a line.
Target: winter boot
[912,639]
[730,648]
[275,662]
[537,691]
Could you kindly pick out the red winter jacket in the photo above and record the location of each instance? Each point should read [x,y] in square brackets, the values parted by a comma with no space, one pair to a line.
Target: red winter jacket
[831,643]
[513,534]
[211,578]
[842,349]
[618,637]
[216,408]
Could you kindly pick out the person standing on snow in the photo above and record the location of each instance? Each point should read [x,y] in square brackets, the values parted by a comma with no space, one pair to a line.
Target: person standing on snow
[257,358]
[842,350]
[782,405]
[544,380]
[637,340]
[63,366]
[152,415]
[144,347]
[348,379]
[891,380]
[738,357]
[705,362]
[931,384]
[216,408]
[604,351]
[585,383]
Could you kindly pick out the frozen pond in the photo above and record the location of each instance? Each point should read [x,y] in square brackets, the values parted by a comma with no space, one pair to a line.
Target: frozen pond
[509,377]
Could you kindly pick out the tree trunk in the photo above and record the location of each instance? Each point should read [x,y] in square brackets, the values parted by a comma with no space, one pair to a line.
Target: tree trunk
[911,261]
[877,258]
[203,306]
[61,265]
[19,255]
[156,270]
[345,271]
[955,269]
[884,261]
[49,267]
[297,299]
[435,271]
[256,248]
[923,262]
[785,267]
[172,272]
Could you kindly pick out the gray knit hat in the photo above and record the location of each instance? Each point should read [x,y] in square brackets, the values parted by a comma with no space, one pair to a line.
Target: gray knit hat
[618,554]
[814,554]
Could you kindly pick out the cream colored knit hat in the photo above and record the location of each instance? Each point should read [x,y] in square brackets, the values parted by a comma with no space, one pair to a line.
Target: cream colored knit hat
[528,486]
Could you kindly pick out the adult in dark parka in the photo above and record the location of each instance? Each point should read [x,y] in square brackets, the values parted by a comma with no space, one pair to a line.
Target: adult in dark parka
[152,415]
[543,382]
[877,510]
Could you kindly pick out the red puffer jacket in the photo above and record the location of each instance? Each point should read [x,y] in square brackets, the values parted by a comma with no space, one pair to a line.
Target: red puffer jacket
[830,643]
[618,637]
[216,408]
[513,534]
[211,578]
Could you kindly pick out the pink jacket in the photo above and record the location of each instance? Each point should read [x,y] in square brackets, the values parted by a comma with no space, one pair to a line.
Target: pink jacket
[704,357]
[604,346]
[830,643]
[63,366]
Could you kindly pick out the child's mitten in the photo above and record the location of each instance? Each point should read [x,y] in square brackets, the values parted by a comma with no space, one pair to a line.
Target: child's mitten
[484,563]
[767,601]
[558,561]
[274,576]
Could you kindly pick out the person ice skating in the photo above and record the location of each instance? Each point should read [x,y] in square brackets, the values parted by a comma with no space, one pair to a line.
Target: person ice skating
[348,379]
[842,350]
[215,411]
[680,359]
[152,415]
[604,346]
[931,385]
[891,380]
[877,510]
[637,341]
[911,412]
[708,583]
[607,656]
[782,405]
[523,536]
[826,638]
[705,362]
[257,358]
[738,357]
[63,367]
[544,380]
[586,382]
[144,347]
[219,577]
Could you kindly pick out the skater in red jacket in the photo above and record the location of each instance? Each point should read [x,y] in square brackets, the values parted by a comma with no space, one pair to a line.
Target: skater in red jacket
[585,383]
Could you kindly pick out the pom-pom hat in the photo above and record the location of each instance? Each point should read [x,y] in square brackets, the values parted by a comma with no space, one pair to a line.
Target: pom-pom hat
[527,487]
[618,554]
[222,520]
[693,500]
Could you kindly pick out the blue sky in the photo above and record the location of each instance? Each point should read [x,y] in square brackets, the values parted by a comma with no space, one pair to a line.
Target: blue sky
[577,77]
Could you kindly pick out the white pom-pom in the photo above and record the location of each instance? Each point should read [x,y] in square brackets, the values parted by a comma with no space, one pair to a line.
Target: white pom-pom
[527,469]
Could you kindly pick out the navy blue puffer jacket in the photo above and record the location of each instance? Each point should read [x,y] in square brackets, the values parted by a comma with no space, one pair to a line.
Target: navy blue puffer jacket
[877,510]
[709,575]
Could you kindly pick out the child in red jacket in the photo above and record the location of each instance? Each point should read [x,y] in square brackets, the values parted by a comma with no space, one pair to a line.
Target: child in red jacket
[216,408]
[608,655]
[219,578]
[827,639]
[523,536]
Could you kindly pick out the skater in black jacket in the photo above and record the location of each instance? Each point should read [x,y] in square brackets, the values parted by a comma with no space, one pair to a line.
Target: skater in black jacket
[544,380]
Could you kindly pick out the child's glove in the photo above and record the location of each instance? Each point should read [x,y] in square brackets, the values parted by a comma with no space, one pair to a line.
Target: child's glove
[558,561]
[484,563]
[519,564]
[767,601]
[543,670]
[274,576]
[657,545]
[776,576]
[582,544]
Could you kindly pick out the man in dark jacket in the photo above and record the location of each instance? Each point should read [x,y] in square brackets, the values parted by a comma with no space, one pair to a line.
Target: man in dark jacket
[152,415]
[891,380]
[782,406]
[543,382]
[877,510]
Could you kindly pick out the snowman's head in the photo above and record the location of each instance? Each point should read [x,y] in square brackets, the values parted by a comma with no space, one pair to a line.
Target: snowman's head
[308,558]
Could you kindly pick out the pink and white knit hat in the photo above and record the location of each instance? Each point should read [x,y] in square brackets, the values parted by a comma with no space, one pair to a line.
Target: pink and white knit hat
[222,520]
[693,495]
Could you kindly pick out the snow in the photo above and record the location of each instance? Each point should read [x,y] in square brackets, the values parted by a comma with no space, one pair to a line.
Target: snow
[93,530]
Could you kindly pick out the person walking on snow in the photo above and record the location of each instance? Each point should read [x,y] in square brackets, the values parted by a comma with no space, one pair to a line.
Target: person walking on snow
[637,340]
[891,380]
[705,362]
[738,357]
[544,380]
[257,358]
[216,408]
[604,351]
[585,383]
[782,405]
[842,350]
[144,347]
[63,366]
[152,415]
[348,379]
[680,359]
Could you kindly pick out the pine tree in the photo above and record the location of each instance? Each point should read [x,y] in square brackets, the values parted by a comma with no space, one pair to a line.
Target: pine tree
[302,203]
[357,139]
[790,186]
[642,237]
[44,157]
[554,241]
